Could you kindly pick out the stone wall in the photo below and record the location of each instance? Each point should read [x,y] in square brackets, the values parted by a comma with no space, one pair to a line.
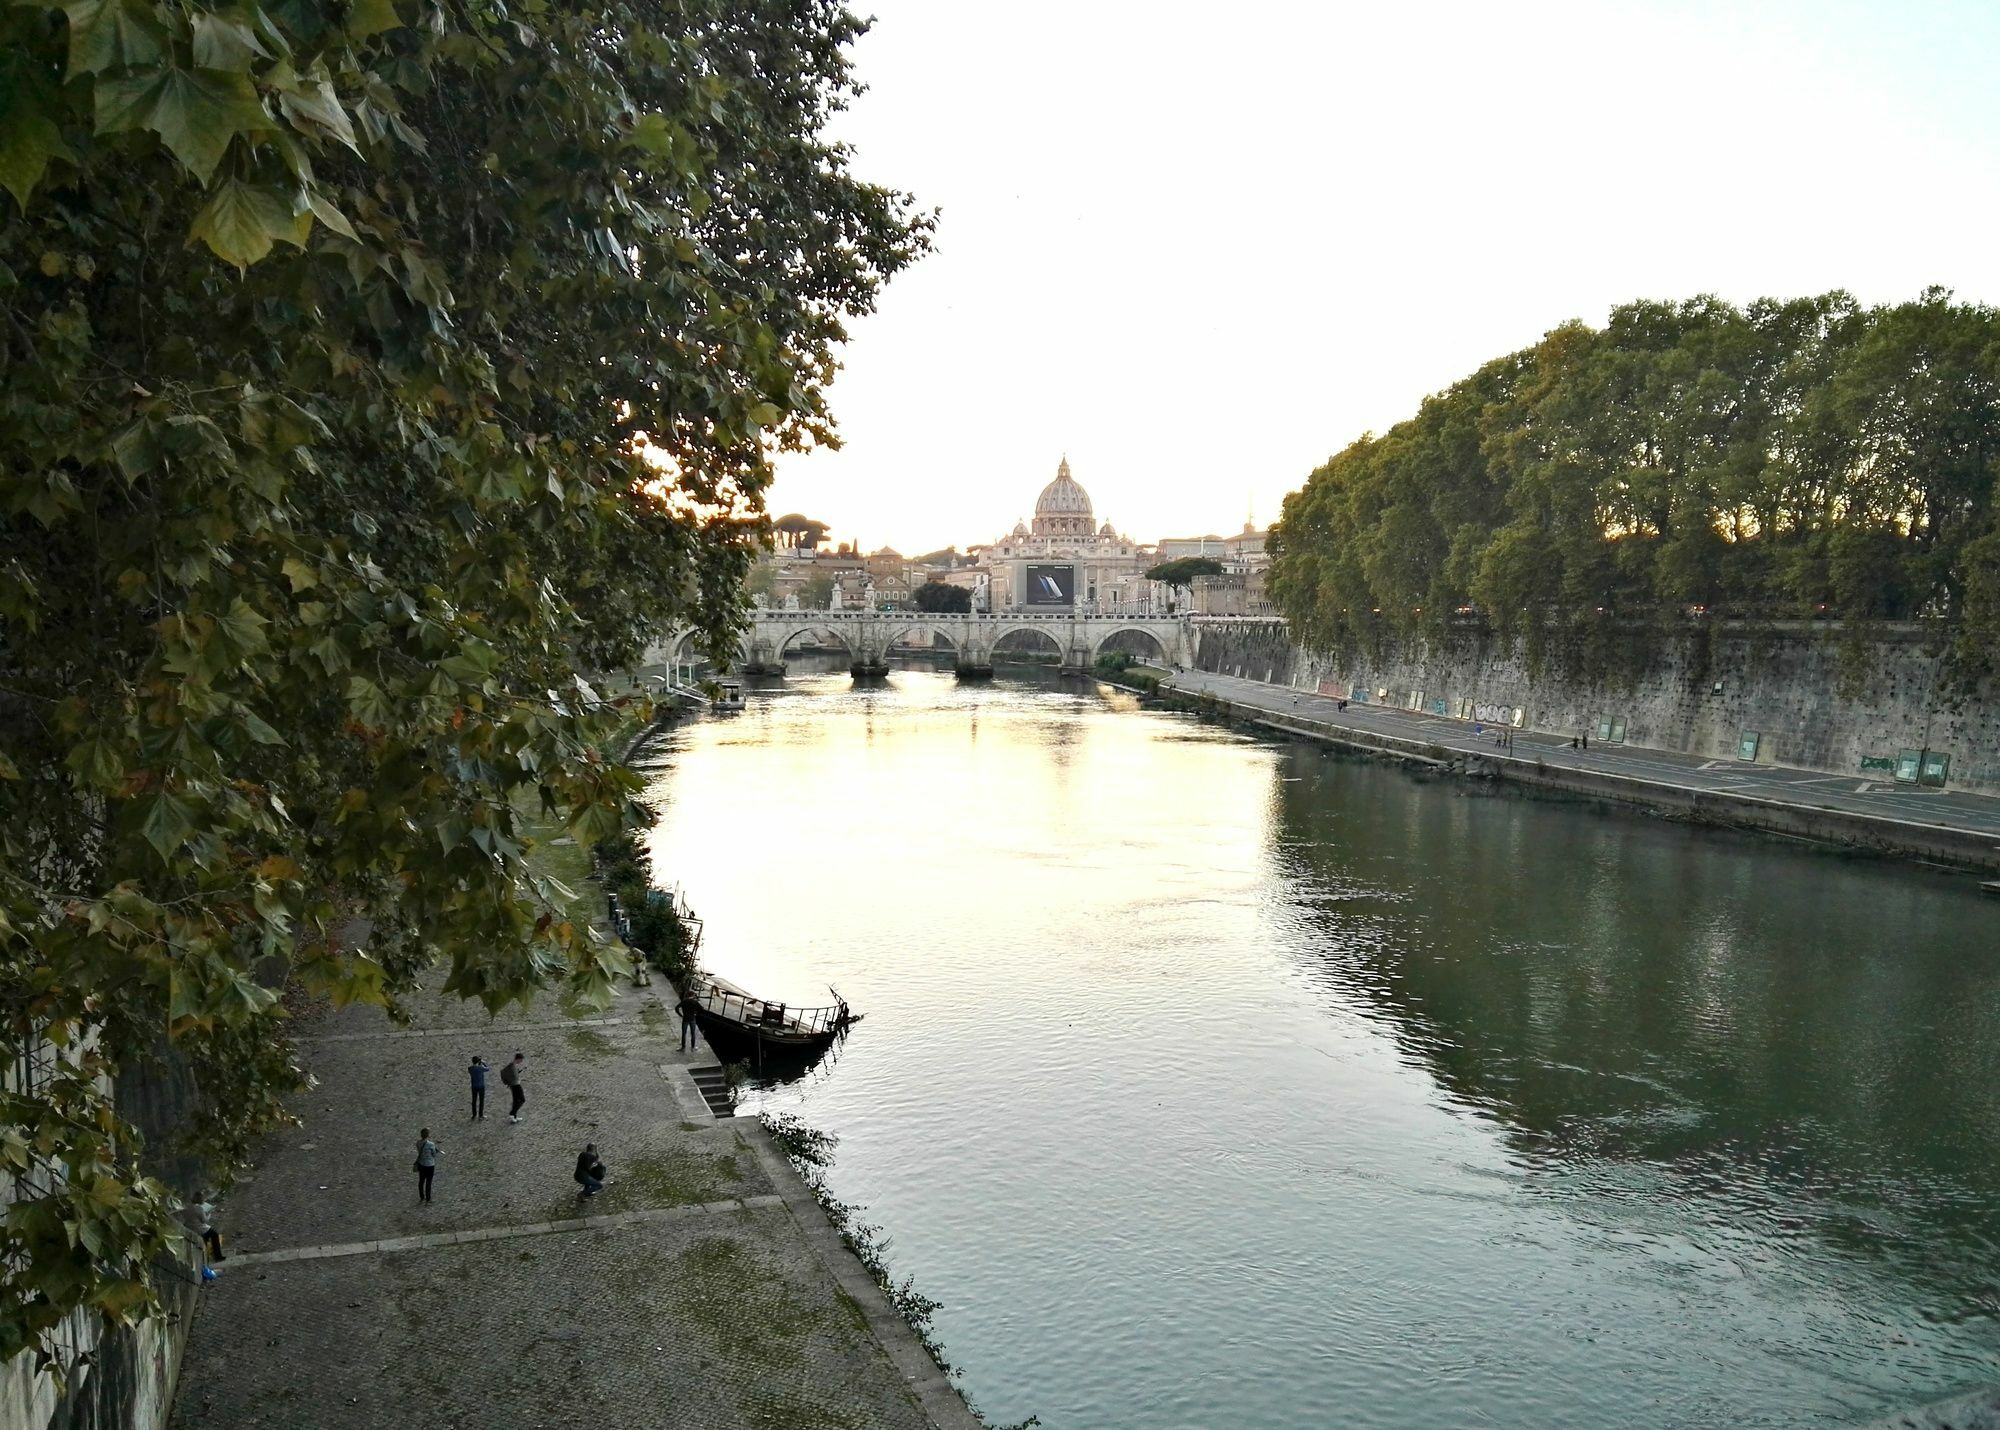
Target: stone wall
[1701,693]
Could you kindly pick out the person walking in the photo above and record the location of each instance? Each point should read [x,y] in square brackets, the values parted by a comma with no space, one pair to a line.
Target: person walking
[690,1030]
[478,1072]
[589,1170]
[511,1076]
[427,1164]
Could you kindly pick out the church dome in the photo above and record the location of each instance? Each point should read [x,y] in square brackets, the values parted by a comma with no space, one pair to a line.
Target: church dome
[1063,508]
[1063,497]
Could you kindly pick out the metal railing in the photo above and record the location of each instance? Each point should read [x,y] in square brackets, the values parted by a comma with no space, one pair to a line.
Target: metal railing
[758,1013]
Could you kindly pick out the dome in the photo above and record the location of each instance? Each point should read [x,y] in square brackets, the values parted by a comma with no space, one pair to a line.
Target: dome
[1063,508]
[1107,530]
[1020,528]
[1063,497]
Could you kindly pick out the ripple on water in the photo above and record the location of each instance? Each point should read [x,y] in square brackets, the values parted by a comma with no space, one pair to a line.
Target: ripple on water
[1210,1083]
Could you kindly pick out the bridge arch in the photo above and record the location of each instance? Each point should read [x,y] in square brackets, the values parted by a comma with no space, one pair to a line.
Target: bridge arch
[1042,637]
[1126,637]
[894,628]
[815,629]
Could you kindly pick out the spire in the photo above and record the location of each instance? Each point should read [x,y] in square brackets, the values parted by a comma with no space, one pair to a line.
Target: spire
[1063,469]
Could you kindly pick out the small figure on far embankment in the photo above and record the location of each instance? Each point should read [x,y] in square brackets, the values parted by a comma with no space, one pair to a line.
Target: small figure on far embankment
[690,1030]
[511,1075]
[427,1164]
[478,1074]
[589,1170]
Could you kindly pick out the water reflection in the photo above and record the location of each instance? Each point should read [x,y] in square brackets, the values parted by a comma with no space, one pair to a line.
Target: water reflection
[1210,1081]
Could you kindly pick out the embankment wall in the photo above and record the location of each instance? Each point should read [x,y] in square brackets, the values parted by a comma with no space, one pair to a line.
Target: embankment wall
[1700,692]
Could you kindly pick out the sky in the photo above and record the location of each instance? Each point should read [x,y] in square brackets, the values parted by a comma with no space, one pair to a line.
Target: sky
[1200,249]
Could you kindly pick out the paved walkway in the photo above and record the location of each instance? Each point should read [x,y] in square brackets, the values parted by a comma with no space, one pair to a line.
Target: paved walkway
[702,1288]
[1810,789]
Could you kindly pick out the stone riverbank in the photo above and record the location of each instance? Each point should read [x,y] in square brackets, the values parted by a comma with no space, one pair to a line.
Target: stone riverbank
[702,1288]
[1945,827]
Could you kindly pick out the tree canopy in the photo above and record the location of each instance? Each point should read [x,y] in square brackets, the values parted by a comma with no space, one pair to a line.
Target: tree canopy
[940,598]
[373,367]
[1182,570]
[1799,457]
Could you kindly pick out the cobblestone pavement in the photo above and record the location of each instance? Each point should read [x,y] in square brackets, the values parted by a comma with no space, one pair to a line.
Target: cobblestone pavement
[638,1307]
[1873,796]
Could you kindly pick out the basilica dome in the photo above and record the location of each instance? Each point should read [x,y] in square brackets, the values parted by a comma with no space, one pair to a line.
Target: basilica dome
[1063,508]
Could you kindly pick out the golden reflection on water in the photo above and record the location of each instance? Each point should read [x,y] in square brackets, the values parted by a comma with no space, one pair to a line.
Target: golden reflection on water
[1210,1081]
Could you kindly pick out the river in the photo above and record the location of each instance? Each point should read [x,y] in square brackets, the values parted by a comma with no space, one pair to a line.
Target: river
[1211,1081]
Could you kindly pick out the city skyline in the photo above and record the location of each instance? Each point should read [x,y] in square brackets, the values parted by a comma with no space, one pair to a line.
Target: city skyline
[1199,300]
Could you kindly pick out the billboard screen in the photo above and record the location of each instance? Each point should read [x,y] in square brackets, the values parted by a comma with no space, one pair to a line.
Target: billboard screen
[1050,586]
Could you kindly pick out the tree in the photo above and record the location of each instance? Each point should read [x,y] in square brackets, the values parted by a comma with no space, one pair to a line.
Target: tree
[1796,456]
[817,593]
[373,368]
[940,598]
[799,533]
[1183,570]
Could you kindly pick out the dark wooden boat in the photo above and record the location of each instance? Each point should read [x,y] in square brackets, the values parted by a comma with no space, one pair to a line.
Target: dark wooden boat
[731,1015]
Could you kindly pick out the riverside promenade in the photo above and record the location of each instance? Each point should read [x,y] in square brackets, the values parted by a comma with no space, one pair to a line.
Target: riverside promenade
[1851,811]
[702,1288]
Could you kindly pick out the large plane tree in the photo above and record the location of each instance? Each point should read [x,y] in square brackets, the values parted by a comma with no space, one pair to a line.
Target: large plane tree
[372,368]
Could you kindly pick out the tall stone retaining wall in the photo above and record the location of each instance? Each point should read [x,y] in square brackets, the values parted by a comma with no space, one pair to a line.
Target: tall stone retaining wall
[1702,693]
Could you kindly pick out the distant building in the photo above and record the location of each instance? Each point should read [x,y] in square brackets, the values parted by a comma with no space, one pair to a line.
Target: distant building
[1065,561]
[1233,593]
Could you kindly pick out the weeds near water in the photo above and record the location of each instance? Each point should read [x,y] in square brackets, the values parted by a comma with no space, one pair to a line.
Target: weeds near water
[811,1152]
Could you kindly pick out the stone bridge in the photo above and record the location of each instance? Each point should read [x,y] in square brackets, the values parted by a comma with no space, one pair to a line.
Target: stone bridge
[869,635]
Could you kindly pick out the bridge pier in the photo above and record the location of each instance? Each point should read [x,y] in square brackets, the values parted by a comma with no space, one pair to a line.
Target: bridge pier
[869,664]
[759,659]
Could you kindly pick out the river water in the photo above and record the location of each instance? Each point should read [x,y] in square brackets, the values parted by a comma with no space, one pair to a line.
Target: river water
[1210,1081]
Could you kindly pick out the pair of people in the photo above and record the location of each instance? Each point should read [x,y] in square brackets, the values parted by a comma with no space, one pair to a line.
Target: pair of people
[510,1078]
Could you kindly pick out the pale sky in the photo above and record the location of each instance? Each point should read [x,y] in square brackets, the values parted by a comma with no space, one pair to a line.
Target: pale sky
[1201,248]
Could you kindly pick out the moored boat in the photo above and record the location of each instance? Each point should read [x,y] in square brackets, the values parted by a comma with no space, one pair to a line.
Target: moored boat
[732,1014]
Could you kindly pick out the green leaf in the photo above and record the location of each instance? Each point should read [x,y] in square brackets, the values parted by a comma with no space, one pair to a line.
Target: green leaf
[167,823]
[28,140]
[241,629]
[196,113]
[332,217]
[240,223]
[312,105]
[222,42]
[97,763]
[111,34]
[371,17]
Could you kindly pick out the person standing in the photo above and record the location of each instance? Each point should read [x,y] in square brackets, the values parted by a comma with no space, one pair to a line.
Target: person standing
[478,1072]
[511,1075]
[427,1164]
[690,1035]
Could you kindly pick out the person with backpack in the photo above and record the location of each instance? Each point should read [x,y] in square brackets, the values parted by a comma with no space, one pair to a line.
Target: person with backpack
[427,1164]
[511,1075]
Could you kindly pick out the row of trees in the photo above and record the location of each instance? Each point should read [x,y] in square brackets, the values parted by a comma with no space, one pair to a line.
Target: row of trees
[1792,458]
[372,367]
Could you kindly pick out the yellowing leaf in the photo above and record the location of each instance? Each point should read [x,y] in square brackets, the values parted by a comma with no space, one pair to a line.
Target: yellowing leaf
[312,105]
[370,17]
[299,574]
[240,223]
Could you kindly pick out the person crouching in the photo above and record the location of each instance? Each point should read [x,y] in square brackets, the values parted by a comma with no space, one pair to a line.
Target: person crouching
[589,1170]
